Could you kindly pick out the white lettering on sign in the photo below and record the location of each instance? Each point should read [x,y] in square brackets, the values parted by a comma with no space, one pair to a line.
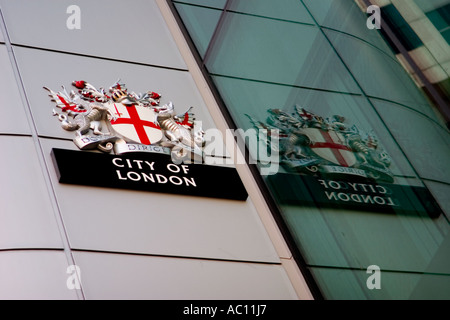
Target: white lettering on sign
[146,176]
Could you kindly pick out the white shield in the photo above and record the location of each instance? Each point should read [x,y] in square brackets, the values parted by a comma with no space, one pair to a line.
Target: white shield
[330,145]
[135,123]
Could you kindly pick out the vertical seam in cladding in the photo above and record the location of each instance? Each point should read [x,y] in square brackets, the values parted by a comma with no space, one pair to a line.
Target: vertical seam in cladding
[38,148]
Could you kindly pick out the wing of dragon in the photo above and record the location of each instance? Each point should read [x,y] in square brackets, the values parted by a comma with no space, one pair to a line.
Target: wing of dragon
[64,102]
[185,119]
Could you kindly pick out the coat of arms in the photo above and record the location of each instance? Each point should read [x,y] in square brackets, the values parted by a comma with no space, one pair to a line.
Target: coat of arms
[309,143]
[134,122]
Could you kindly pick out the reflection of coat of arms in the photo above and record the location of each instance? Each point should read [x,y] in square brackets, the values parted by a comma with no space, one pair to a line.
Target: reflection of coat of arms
[314,145]
[136,122]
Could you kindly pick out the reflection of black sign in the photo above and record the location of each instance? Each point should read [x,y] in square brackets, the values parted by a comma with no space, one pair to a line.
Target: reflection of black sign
[359,194]
[147,172]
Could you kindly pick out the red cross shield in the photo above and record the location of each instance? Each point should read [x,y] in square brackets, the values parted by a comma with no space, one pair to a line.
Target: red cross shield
[135,123]
[330,145]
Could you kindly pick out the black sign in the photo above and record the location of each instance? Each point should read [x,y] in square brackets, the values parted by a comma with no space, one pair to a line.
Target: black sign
[147,172]
[365,195]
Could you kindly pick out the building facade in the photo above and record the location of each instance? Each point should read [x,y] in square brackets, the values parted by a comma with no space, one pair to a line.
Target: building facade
[341,145]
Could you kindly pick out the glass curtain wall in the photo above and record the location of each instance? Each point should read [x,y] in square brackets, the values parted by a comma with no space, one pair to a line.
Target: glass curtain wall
[363,172]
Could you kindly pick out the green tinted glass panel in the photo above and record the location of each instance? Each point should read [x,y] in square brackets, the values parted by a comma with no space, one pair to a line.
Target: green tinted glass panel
[426,144]
[335,237]
[219,4]
[201,23]
[379,74]
[274,51]
[330,13]
[353,129]
[253,98]
[352,285]
[440,191]
[352,239]
[292,10]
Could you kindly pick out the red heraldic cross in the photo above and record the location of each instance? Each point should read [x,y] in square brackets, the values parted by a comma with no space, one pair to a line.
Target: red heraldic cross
[138,124]
[335,147]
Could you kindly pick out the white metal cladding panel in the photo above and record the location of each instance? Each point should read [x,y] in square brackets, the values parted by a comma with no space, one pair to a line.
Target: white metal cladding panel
[155,223]
[126,30]
[121,220]
[119,276]
[26,214]
[13,118]
[34,275]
